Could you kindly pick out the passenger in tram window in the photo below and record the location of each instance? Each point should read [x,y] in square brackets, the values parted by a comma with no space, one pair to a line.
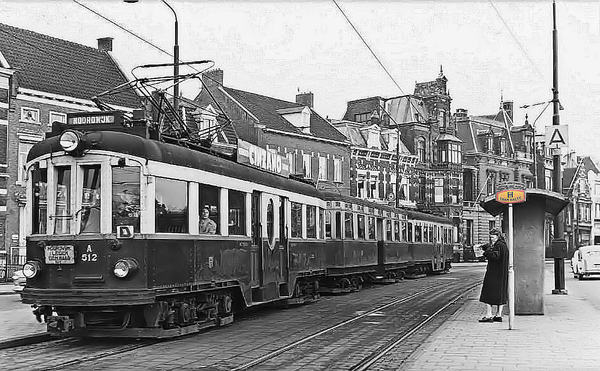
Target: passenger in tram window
[207,225]
[494,292]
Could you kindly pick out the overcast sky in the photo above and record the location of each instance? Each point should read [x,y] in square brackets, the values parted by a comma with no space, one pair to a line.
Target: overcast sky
[488,49]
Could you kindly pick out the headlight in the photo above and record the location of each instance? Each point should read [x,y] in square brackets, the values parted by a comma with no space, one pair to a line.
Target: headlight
[32,268]
[69,140]
[125,268]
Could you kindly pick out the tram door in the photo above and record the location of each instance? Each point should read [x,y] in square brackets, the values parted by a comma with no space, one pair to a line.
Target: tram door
[438,251]
[269,255]
[256,249]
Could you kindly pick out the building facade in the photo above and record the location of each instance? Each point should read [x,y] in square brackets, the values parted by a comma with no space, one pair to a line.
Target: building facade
[495,151]
[310,148]
[428,132]
[42,79]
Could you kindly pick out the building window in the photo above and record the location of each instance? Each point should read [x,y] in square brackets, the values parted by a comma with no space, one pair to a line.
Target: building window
[439,190]
[292,162]
[469,233]
[502,146]
[22,159]
[31,115]
[322,168]
[56,117]
[337,170]
[421,149]
[490,143]
[306,160]
[492,224]
[362,117]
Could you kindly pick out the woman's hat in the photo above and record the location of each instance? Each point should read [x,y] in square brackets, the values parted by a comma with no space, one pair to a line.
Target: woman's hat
[495,231]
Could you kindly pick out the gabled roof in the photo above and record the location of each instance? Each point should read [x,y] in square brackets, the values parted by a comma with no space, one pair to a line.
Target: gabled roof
[265,110]
[406,108]
[353,131]
[56,66]
[470,131]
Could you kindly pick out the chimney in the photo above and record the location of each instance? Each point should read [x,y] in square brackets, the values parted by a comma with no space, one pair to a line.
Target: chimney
[105,44]
[508,107]
[213,77]
[461,113]
[306,99]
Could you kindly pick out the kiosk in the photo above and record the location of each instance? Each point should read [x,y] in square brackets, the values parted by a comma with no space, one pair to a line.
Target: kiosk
[528,241]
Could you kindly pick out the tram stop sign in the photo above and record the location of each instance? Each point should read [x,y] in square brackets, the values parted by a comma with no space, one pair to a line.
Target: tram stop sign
[510,196]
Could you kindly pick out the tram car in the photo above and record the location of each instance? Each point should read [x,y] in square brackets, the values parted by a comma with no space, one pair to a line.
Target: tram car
[130,236]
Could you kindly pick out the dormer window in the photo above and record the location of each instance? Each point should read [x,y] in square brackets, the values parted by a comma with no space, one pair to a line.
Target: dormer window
[502,146]
[490,143]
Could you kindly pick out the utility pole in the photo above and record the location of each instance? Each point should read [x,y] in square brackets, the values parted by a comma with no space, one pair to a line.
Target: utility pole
[559,244]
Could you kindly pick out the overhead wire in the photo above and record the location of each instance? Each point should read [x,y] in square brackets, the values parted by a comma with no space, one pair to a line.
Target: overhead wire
[516,40]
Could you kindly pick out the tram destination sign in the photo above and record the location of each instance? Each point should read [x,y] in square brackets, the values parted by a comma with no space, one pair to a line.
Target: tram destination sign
[95,118]
[262,158]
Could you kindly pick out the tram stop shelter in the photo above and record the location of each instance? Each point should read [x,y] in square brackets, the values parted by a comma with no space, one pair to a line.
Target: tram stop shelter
[529,244]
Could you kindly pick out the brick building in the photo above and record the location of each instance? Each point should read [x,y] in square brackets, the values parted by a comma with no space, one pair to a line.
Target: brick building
[42,79]
[310,147]
[426,130]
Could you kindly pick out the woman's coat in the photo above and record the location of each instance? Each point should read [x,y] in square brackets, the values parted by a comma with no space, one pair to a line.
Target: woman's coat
[495,282]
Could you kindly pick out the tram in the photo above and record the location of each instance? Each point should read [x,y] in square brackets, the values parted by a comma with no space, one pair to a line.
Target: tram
[132,233]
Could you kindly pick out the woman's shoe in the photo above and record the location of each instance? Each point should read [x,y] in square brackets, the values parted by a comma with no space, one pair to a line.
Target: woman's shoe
[486,319]
[497,319]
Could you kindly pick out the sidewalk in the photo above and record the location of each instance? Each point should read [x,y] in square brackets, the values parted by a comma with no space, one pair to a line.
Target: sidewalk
[566,337]
[6,288]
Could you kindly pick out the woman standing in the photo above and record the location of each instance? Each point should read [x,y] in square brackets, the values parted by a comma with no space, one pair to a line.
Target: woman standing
[495,283]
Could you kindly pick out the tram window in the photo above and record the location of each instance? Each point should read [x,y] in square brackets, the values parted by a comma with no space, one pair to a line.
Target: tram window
[322,222]
[349,225]
[431,233]
[388,226]
[398,236]
[311,221]
[371,228]
[361,227]
[237,213]
[338,225]
[90,199]
[62,215]
[208,198]
[425,233]
[418,234]
[410,234]
[126,197]
[40,201]
[296,219]
[328,224]
[171,206]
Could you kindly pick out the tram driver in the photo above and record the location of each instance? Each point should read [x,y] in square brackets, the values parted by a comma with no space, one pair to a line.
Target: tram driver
[207,225]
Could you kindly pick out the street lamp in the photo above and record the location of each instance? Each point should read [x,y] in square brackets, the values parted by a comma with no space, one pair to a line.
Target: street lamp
[175,57]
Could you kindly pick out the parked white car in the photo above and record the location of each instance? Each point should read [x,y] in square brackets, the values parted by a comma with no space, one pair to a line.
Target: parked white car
[586,261]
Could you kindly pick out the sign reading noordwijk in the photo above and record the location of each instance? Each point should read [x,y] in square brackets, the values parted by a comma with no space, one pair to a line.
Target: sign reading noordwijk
[94,118]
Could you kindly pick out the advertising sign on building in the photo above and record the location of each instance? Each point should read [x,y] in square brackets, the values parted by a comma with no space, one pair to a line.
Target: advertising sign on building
[262,158]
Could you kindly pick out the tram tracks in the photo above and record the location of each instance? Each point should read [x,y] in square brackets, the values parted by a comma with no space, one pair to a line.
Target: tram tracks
[358,338]
[381,351]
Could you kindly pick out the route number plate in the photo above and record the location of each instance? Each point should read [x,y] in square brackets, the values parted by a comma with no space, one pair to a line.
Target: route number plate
[60,254]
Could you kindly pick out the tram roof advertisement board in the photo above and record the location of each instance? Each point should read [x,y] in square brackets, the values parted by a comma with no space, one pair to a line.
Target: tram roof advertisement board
[262,158]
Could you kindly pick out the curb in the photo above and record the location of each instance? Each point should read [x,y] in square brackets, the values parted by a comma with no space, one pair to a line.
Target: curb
[25,340]
[9,292]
